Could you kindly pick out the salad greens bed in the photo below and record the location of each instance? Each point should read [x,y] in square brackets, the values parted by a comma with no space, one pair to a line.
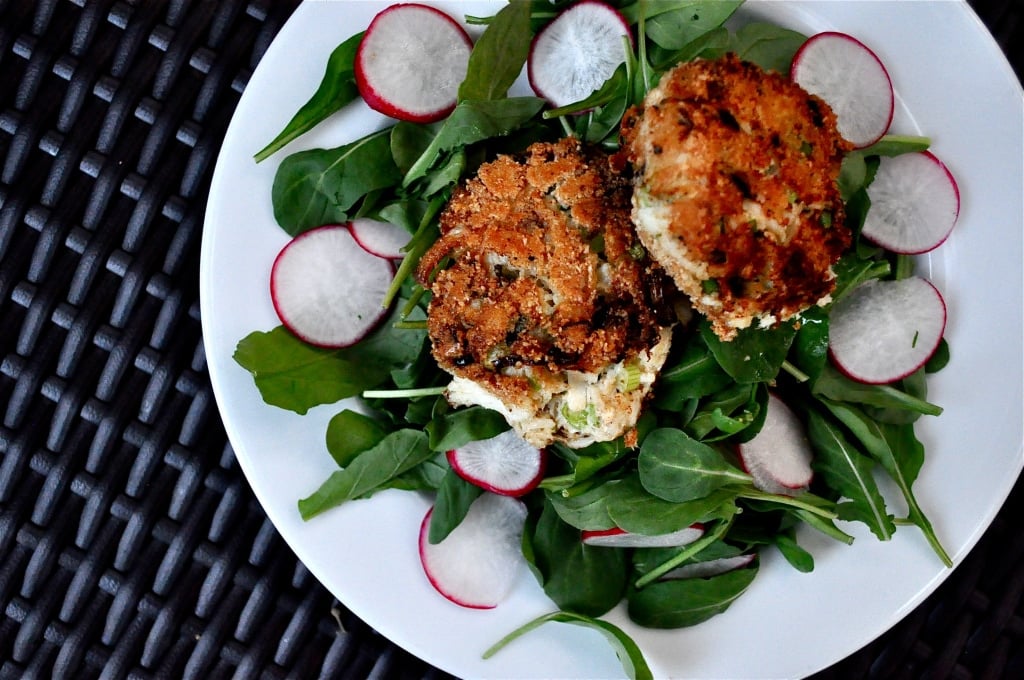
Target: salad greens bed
[710,395]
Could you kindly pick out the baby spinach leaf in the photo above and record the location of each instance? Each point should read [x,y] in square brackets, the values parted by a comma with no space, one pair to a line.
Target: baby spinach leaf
[320,186]
[408,141]
[754,355]
[673,25]
[396,453]
[337,89]
[848,471]
[577,577]
[676,603]
[349,433]
[769,46]
[450,429]
[587,511]
[634,509]
[809,350]
[473,121]
[296,376]
[695,374]
[633,663]
[499,54]
[454,497]
[678,468]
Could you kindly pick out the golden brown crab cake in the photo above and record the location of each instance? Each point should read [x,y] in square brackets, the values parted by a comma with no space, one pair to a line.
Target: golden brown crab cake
[545,307]
[735,190]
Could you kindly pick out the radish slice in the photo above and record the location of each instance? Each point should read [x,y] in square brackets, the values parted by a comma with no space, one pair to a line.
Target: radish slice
[779,455]
[914,203]
[709,568]
[477,564]
[883,331]
[852,80]
[382,239]
[577,52]
[620,538]
[506,464]
[411,61]
[327,290]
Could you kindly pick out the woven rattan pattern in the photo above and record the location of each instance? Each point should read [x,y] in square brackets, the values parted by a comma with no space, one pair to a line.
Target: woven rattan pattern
[130,544]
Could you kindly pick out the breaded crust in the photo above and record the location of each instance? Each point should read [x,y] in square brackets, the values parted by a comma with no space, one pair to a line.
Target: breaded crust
[538,267]
[735,190]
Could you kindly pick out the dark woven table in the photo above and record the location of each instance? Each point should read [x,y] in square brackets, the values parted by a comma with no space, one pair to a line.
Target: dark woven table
[130,543]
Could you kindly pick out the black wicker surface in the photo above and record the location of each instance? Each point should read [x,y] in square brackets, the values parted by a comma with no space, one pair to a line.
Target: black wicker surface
[130,543]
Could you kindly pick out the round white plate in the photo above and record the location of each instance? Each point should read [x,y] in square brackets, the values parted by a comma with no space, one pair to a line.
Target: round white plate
[953,84]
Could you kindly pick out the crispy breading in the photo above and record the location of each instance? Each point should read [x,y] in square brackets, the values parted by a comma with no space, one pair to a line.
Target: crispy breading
[736,190]
[538,272]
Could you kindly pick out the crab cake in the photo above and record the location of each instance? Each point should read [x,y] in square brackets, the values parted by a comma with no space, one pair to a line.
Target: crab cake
[735,194]
[545,307]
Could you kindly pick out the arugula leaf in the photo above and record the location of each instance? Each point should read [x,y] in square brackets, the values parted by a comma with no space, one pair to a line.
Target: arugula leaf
[398,452]
[633,663]
[499,54]
[898,451]
[320,186]
[337,88]
[848,471]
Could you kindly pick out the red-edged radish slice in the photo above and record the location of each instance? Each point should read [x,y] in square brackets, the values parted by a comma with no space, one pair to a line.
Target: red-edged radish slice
[577,52]
[883,331]
[327,290]
[779,456]
[477,564]
[915,203]
[411,61]
[506,464]
[853,82]
[382,239]
[710,568]
[620,538]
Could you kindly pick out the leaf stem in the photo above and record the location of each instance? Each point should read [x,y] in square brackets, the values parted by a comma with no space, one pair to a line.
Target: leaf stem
[405,394]
[686,553]
[797,374]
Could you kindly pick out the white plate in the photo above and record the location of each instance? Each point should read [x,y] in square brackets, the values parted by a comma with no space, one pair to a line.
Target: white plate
[953,84]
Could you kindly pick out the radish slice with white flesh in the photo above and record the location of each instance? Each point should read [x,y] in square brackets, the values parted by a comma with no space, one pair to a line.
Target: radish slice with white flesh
[915,203]
[620,538]
[882,331]
[577,52]
[411,61]
[709,568]
[779,456]
[382,239]
[506,464]
[477,564]
[327,290]
[852,80]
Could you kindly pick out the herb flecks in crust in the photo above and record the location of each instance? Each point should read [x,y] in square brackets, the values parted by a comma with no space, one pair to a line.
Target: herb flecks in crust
[736,194]
[543,298]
